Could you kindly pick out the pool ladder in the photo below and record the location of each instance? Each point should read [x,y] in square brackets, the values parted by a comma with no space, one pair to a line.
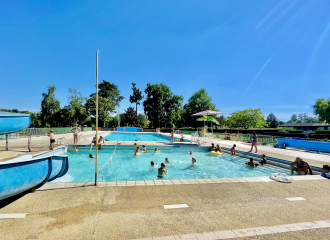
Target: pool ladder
[64,140]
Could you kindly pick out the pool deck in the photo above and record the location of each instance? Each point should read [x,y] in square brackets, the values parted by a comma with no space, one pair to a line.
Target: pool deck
[245,208]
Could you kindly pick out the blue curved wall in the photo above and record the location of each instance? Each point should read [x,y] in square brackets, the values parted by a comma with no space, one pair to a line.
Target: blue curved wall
[13,122]
[303,144]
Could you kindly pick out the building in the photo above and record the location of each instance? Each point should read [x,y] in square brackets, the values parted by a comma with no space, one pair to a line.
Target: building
[307,126]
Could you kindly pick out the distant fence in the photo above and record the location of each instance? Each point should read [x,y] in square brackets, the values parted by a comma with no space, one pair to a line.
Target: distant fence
[41,132]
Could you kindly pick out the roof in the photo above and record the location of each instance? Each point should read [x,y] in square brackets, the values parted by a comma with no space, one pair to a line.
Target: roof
[305,125]
[12,114]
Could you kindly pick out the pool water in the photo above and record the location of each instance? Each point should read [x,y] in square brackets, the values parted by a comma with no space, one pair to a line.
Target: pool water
[125,166]
[148,137]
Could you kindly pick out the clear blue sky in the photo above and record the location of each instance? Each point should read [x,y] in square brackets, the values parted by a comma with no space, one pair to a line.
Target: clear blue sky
[273,55]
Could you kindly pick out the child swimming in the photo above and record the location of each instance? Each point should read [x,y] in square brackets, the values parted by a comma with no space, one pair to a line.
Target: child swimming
[168,163]
[144,148]
[252,163]
[191,153]
[156,150]
[153,164]
[161,170]
[193,160]
[137,151]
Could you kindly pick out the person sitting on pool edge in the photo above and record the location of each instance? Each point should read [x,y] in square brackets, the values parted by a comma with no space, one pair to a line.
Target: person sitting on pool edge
[93,142]
[212,148]
[161,170]
[264,160]
[326,171]
[182,137]
[144,148]
[193,160]
[302,167]
[233,150]
[252,163]
[168,163]
[153,164]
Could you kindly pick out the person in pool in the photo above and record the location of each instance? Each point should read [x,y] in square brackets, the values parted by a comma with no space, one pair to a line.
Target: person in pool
[74,148]
[162,170]
[137,151]
[193,160]
[326,171]
[218,148]
[233,150]
[144,148]
[252,163]
[191,153]
[91,156]
[168,163]
[153,164]
[212,148]
[156,150]
[135,146]
[264,160]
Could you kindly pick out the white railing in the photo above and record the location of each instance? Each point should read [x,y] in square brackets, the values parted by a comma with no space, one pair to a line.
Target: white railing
[108,161]
[64,140]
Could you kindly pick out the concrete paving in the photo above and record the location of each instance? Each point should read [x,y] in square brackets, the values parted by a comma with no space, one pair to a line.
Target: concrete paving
[137,212]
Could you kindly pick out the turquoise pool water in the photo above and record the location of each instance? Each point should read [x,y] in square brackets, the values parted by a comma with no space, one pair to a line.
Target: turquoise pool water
[125,166]
[148,137]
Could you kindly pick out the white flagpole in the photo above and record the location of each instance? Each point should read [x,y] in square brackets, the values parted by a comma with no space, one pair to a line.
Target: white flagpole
[97,113]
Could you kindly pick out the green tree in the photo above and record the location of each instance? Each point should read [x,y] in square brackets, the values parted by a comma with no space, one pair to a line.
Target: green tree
[50,105]
[76,109]
[143,122]
[294,118]
[198,102]
[131,117]
[161,106]
[322,109]
[272,121]
[136,97]
[249,118]
[109,98]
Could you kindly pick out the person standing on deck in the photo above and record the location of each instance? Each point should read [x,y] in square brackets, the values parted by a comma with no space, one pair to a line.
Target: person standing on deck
[172,135]
[75,130]
[237,135]
[254,141]
[52,139]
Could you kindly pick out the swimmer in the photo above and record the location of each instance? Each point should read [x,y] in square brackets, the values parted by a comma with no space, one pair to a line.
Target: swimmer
[153,164]
[74,148]
[218,148]
[193,160]
[135,146]
[144,149]
[161,170]
[252,163]
[191,153]
[91,156]
[137,151]
[168,163]
[156,150]
[264,160]
[212,148]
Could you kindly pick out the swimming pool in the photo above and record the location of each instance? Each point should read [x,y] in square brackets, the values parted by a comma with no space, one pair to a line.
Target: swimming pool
[147,137]
[127,167]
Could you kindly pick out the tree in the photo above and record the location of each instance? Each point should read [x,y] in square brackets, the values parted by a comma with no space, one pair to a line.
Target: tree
[131,117]
[300,117]
[198,102]
[136,97]
[161,106]
[76,109]
[294,118]
[49,107]
[249,118]
[272,121]
[304,117]
[143,122]
[109,98]
[322,109]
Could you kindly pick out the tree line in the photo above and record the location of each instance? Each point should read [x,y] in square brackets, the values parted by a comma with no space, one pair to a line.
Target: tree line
[162,108]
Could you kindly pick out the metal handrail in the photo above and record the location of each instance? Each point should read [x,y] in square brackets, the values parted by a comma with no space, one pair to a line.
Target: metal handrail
[29,142]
